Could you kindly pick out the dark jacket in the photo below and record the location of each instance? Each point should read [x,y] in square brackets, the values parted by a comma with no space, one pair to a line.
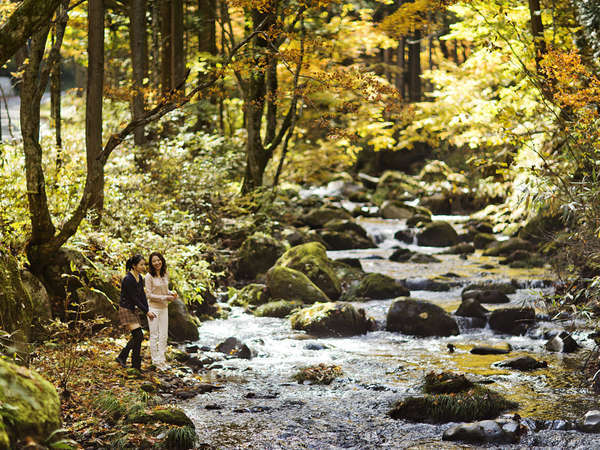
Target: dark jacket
[133,294]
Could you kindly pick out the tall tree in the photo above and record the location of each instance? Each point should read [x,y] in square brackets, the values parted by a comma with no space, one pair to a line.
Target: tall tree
[414,67]
[93,109]
[177,47]
[139,63]
[165,46]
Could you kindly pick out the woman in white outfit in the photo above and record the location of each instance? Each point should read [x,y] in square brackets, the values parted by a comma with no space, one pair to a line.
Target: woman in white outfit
[159,296]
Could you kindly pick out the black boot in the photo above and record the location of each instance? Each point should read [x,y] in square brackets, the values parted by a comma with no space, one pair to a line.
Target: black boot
[136,339]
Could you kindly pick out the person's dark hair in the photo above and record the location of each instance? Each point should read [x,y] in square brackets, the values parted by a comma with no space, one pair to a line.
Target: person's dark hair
[151,268]
[133,261]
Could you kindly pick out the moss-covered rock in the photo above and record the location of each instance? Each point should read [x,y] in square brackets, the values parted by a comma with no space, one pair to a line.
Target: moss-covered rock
[418,219]
[279,308]
[380,286]
[446,383]
[435,171]
[292,284]
[395,185]
[437,234]
[476,403]
[251,295]
[182,325]
[16,307]
[463,248]
[320,216]
[393,209]
[95,303]
[345,235]
[505,248]
[332,319]
[258,253]
[420,318]
[29,405]
[42,310]
[311,259]
[172,416]
[421,258]
[401,255]
[483,240]
[470,307]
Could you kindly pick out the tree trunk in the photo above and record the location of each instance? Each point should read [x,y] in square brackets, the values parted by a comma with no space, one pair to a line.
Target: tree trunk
[272,85]
[414,67]
[156,44]
[400,71]
[537,30]
[207,31]
[93,110]
[177,51]
[139,63]
[30,16]
[165,47]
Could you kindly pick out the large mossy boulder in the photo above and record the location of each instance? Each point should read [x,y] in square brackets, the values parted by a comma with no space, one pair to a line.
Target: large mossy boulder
[514,321]
[182,325]
[171,416]
[320,216]
[437,234]
[279,308]
[258,253]
[332,319]
[291,284]
[42,309]
[29,406]
[505,248]
[395,185]
[251,295]
[94,303]
[16,307]
[311,259]
[345,235]
[420,318]
[380,286]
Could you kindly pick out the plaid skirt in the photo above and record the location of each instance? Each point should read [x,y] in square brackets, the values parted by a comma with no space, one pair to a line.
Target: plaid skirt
[128,317]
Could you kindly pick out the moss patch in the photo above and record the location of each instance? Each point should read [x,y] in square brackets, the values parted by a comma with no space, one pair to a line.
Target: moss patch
[287,283]
[281,308]
[337,319]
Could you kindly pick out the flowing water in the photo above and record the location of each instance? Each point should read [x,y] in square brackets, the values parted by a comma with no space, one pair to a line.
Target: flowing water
[262,407]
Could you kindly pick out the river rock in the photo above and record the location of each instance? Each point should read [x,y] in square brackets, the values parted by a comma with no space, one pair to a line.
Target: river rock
[418,219]
[460,249]
[232,346]
[507,247]
[280,308]
[311,259]
[420,318]
[380,286]
[332,319]
[522,363]
[320,216]
[258,254]
[182,325]
[486,296]
[563,343]
[591,422]
[391,209]
[291,284]
[488,431]
[16,307]
[470,307]
[421,258]
[437,234]
[489,350]
[483,240]
[506,287]
[514,321]
[346,226]
[30,405]
[405,236]
[438,203]
[426,284]
[352,262]
[337,240]
[251,295]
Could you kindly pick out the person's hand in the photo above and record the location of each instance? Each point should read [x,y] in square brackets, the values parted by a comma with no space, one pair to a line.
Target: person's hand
[151,315]
[173,296]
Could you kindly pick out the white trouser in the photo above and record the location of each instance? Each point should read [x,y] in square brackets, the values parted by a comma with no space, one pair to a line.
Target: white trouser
[159,330]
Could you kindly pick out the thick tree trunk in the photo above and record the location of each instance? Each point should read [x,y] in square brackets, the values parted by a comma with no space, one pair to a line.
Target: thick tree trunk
[30,16]
[272,86]
[139,62]
[400,67]
[414,67]
[165,47]
[156,44]
[537,30]
[93,111]
[177,48]
[207,30]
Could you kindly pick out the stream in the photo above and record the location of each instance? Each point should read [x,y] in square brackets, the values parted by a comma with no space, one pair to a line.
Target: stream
[261,406]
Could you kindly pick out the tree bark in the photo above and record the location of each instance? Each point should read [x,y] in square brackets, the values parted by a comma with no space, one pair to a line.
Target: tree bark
[30,16]
[207,32]
[177,48]
[400,70]
[414,67]
[139,63]
[272,86]
[93,110]
[537,30]
[165,47]
[156,44]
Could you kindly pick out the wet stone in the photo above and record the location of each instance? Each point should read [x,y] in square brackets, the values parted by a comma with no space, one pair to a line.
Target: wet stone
[563,343]
[522,363]
[489,350]
[486,296]
[425,284]
[234,347]
[591,422]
